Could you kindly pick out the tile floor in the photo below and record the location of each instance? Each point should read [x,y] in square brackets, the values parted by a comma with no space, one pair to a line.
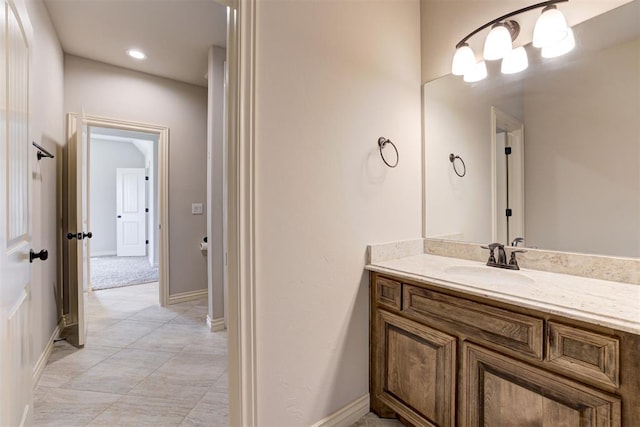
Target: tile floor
[143,365]
[372,420]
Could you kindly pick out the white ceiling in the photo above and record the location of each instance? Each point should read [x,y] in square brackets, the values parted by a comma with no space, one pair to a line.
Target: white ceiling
[175,34]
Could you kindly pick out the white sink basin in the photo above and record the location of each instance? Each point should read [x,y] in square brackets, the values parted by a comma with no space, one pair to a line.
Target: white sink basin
[489,275]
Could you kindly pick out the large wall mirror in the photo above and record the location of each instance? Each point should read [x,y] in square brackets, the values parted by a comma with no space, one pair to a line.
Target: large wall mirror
[572,124]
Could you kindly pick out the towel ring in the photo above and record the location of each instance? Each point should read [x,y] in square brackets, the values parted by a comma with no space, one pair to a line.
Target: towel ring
[382,141]
[452,159]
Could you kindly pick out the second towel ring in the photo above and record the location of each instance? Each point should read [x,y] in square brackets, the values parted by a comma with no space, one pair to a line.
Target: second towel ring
[452,159]
[382,141]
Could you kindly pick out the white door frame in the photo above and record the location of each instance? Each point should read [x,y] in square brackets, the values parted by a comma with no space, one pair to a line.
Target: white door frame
[163,186]
[241,212]
[516,128]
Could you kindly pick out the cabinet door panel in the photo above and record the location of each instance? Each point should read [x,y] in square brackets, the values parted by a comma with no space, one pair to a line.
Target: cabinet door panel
[417,371]
[490,324]
[499,391]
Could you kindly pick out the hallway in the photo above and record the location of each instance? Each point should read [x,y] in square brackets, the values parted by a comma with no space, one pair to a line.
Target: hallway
[143,365]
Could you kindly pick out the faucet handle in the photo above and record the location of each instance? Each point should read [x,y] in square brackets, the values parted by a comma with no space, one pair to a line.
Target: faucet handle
[492,247]
[512,260]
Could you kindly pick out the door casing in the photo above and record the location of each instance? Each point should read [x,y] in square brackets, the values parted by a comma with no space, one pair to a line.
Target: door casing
[162,133]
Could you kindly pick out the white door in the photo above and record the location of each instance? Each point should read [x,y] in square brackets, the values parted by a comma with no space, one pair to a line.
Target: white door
[130,212]
[15,233]
[78,234]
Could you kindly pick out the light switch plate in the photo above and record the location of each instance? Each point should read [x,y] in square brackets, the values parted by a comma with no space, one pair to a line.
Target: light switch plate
[196,208]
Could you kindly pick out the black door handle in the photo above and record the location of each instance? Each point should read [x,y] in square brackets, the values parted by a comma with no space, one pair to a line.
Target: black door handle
[72,236]
[42,255]
[119,216]
[88,235]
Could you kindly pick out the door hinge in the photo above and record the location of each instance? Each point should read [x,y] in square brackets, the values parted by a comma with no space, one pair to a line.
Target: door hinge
[508,212]
[146,209]
[507,151]
[146,242]
[146,178]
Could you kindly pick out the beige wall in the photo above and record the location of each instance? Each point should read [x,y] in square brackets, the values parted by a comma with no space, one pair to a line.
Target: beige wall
[460,208]
[46,129]
[586,154]
[109,91]
[331,77]
[445,23]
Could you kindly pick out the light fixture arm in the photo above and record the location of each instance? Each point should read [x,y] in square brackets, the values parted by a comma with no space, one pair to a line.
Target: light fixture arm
[508,15]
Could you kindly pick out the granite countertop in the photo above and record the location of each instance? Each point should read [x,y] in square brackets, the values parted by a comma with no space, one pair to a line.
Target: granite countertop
[611,304]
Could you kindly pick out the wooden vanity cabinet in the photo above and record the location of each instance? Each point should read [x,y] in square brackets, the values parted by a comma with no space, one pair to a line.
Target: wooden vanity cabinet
[441,358]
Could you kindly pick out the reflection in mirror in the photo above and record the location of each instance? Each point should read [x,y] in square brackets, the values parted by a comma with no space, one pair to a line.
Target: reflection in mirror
[574,173]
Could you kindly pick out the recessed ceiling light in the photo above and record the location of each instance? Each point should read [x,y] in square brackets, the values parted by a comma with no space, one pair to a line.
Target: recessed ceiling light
[136,53]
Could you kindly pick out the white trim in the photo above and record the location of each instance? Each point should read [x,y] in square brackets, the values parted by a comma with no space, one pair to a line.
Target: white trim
[187,296]
[216,325]
[243,389]
[500,118]
[38,368]
[347,415]
[163,189]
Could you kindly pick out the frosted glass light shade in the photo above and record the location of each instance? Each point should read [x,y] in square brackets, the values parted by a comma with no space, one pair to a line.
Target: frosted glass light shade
[566,45]
[497,45]
[478,73]
[551,27]
[515,61]
[463,60]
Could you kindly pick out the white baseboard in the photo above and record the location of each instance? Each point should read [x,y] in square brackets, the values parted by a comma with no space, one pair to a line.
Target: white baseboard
[216,325]
[187,296]
[38,368]
[347,415]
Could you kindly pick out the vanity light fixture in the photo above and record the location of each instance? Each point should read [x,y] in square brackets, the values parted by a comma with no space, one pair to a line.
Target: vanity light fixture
[551,33]
[561,48]
[477,73]
[136,53]
[497,45]
[515,61]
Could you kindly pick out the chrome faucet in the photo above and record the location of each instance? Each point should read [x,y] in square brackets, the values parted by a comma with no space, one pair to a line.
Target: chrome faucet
[517,240]
[501,262]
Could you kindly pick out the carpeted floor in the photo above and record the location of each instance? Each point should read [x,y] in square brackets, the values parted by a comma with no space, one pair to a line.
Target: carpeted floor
[114,272]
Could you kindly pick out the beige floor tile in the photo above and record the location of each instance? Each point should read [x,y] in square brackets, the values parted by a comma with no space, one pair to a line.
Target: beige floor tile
[159,385]
[139,367]
[197,368]
[123,333]
[172,337]
[110,377]
[192,316]
[67,362]
[158,314]
[66,408]
[143,411]
[372,420]
[211,411]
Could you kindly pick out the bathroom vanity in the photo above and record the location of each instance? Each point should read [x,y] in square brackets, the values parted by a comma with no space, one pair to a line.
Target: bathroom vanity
[456,343]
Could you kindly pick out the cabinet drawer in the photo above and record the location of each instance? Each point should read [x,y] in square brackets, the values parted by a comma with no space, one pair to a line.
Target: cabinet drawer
[584,354]
[493,325]
[388,293]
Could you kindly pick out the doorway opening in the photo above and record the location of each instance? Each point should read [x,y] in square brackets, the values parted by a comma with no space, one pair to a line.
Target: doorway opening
[123,198]
[507,176]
